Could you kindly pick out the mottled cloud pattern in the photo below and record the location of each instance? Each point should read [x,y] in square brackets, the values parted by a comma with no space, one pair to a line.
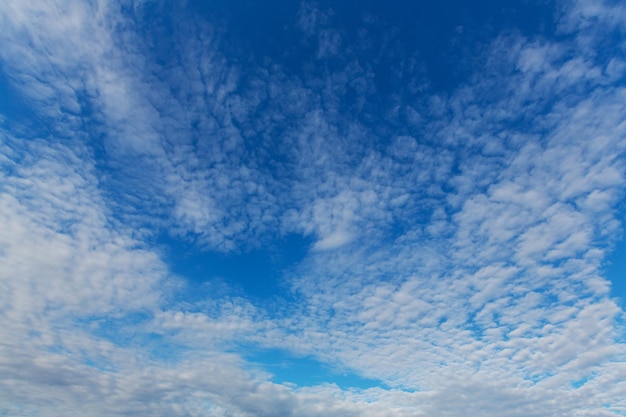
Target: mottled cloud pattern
[441,232]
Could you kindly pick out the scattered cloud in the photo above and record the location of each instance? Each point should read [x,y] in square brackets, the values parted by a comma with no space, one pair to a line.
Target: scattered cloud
[456,239]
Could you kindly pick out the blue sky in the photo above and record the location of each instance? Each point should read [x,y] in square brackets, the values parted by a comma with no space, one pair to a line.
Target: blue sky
[312,208]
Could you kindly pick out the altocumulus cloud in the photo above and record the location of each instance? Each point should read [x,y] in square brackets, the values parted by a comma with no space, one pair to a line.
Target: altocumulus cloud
[430,216]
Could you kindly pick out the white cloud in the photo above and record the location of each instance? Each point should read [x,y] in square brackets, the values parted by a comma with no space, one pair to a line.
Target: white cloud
[530,207]
[465,265]
[334,240]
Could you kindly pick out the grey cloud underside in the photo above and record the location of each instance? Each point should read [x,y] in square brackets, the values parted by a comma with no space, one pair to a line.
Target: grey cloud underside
[459,260]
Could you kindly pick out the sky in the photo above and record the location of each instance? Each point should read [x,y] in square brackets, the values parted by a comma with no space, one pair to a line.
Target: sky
[312,208]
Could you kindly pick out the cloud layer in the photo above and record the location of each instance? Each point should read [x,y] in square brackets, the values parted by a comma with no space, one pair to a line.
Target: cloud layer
[454,239]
